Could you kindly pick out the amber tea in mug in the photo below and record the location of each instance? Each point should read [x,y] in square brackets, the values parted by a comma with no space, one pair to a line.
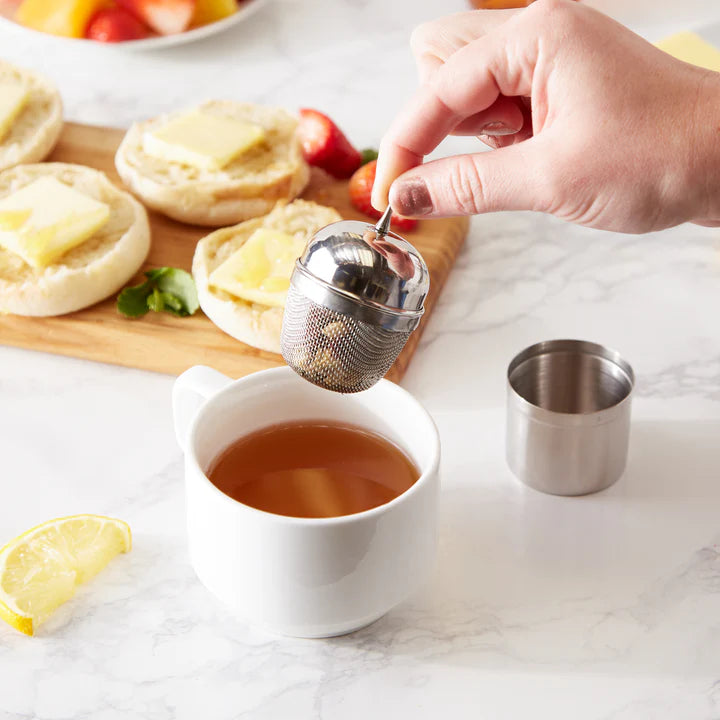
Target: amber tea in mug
[313,469]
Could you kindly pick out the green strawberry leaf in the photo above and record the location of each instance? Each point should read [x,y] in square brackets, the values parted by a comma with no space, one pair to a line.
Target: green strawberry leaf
[368,155]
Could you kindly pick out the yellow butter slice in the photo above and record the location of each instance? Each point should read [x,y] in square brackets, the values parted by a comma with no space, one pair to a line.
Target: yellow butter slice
[259,271]
[13,99]
[43,220]
[202,140]
[691,48]
[13,219]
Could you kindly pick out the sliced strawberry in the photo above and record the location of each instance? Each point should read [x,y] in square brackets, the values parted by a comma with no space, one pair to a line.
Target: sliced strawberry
[324,144]
[115,25]
[167,17]
[360,188]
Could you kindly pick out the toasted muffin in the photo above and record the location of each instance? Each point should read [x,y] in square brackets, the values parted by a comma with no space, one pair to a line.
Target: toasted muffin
[34,132]
[247,187]
[252,323]
[87,273]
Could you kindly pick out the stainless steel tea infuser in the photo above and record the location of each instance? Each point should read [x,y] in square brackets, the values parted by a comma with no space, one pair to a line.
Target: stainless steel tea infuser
[356,295]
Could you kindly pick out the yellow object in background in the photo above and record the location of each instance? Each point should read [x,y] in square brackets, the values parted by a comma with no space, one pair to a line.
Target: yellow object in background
[691,48]
[68,18]
[500,4]
[207,11]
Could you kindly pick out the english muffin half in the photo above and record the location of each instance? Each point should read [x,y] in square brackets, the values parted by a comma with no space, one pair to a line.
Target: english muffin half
[92,270]
[254,323]
[34,116]
[247,185]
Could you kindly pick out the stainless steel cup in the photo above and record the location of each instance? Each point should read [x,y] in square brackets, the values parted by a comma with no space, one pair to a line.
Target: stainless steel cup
[568,416]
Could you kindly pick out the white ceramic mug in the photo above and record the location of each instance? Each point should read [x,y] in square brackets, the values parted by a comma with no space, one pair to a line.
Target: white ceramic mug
[307,577]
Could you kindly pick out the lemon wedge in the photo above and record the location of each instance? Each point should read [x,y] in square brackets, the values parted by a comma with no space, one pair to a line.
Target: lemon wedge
[40,569]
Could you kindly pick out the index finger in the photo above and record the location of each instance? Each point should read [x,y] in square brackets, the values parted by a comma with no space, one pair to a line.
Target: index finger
[408,140]
[434,42]
[469,82]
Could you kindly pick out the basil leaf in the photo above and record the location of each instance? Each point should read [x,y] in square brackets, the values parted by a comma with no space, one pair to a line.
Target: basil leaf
[173,304]
[166,289]
[155,274]
[132,301]
[155,301]
[181,285]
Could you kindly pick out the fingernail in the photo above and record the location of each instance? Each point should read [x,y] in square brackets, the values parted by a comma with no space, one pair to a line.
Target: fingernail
[411,197]
[496,128]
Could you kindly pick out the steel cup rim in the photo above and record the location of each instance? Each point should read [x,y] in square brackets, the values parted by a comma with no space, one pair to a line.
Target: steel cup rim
[582,347]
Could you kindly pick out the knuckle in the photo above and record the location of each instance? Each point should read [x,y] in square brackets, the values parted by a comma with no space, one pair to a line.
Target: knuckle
[464,187]
[547,6]
[453,95]
[420,36]
[552,12]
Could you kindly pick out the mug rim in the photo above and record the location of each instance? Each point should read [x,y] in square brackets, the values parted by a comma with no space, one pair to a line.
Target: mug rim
[284,370]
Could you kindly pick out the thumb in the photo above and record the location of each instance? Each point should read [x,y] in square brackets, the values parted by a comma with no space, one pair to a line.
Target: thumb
[510,178]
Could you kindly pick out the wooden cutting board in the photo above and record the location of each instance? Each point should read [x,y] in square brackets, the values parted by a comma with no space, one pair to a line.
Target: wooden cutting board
[167,344]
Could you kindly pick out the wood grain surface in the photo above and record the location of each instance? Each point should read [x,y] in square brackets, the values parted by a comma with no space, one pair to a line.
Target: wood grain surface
[167,344]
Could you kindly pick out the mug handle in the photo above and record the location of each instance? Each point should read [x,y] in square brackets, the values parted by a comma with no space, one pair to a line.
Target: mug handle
[190,391]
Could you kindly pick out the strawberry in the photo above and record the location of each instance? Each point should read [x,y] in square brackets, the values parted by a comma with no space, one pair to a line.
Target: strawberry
[166,17]
[361,184]
[115,25]
[324,144]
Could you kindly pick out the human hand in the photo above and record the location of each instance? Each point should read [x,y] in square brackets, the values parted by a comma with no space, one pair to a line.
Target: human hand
[589,122]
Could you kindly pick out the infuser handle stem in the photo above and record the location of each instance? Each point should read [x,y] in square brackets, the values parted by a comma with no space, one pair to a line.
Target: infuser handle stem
[383,224]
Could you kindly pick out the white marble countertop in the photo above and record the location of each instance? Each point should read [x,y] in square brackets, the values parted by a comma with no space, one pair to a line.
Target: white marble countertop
[596,608]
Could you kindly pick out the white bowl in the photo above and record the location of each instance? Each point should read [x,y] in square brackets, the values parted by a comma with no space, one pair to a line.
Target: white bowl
[152,43]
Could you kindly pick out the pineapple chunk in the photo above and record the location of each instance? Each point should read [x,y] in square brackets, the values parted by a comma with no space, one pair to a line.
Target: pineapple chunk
[208,11]
[259,271]
[68,18]
[13,99]
[202,140]
[43,220]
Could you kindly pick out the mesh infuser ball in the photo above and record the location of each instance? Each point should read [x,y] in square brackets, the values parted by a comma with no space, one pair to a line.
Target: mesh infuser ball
[356,294]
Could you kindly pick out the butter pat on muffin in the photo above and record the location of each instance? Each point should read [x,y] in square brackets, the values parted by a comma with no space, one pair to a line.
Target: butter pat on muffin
[30,116]
[43,220]
[68,238]
[242,273]
[203,140]
[218,164]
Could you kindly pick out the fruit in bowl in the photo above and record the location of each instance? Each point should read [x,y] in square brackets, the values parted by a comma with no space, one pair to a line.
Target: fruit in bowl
[120,20]
[115,25]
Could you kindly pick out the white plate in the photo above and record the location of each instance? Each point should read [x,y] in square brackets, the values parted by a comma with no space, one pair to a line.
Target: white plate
[152,43]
